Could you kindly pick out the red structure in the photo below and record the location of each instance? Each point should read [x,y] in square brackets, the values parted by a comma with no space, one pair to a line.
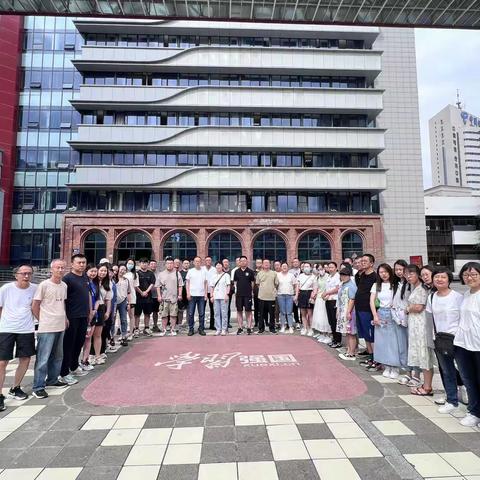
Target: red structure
[11,33]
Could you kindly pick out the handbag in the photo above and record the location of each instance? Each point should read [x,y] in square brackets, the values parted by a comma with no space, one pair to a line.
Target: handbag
[443,341]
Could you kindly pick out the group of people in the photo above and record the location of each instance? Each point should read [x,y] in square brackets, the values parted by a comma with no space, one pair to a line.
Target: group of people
[406,315]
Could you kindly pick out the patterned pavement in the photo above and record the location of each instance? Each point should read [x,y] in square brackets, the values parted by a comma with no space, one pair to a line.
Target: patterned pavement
[383,434]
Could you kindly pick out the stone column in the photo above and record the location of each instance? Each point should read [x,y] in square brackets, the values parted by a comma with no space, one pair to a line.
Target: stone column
[174,201]
[292,236]
[202,242]
[337,246]
[156,236]
[110,250]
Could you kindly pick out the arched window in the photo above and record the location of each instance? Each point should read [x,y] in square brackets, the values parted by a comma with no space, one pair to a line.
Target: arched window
[224,245]
[314,246]
[180,245]
[352,245]
[95,247]
[136,245]
[271,246]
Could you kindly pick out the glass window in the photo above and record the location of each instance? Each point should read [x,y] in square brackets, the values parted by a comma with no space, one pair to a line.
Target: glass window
[95,247]
[352,245]
[224,245]
[134,245]
[314,247]
[269,245]
[180,245]
[258,202]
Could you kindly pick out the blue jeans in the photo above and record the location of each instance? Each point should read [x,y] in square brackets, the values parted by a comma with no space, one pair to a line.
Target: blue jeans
[220,309]
[122,312]
[49,359]
[196,302]
[449,377]
[285,304]
[469,365]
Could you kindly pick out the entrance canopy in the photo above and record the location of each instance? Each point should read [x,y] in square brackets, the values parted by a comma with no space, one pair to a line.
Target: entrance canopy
[412,13]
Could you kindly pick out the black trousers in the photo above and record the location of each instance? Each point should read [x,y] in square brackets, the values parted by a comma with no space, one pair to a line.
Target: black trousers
[230,295]
[295,313]
[256,309]
[267,315]
[332,320]
[106,334]
[212,315]
[73,341]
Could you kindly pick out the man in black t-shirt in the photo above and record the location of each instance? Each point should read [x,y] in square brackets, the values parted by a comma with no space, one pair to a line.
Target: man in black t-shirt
[365,280]
[79,311]
[146,283]
[244,280]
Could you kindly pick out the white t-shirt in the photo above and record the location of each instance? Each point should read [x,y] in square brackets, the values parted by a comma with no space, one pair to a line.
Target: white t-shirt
[286,283]
[468,333]
[16,303]
[52,298]
[385,295]
[445,311]
[332,282]
[197,279]
[306,282]
[211,272]
[219,284]
[133,283]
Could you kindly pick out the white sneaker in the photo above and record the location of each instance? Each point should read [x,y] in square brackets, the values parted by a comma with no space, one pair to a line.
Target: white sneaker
[224,332]
[111,349]
[386,372]
[70,379]
[99,361]
[327,340]
[173,333]
[162,333]
[130,338]
[303,331]
[470,420]
[394,373]
[282,330]
[218,332]
[291,330]
[310,333]
[103,355]
[346,356]
[447,408]
[86,367]
[79,372]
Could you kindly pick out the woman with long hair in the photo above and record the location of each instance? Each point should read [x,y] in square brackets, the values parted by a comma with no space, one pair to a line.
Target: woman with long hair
[132,277]
[91,272]
[320,319]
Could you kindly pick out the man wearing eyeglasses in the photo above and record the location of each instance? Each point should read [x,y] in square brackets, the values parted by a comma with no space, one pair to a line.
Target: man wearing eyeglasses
[17,329]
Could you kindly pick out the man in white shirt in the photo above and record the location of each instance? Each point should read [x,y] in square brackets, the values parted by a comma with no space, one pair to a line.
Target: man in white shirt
[330,296]
[197,289]
[211,272]
[17,329]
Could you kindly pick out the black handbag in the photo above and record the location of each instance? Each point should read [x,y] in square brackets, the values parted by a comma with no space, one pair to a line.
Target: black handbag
[443,341]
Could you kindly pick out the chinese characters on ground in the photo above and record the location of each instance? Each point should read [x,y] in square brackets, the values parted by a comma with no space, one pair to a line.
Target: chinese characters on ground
[224,360]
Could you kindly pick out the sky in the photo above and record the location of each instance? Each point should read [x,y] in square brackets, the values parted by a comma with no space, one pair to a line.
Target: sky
[447,60]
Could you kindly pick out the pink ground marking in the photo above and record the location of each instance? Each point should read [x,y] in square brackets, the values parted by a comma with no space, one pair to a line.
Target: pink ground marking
[134,380]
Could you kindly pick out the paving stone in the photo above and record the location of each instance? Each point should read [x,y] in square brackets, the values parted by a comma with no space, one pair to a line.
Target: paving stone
[178,472]
[99,473]
[470,441]
[376,412]
[405,413]
[190,420]
[53,439]
[422,426]
[374,468]
[297,469]
[443,442]
[8,456]
[219,419]
[162,420]
[53,411]
[313,431]
[109,456]
[252,433]
[72,457]
[39,423]
[36,457]
[88,437]
[20,439]
[70,422]
[219,453]
[391,402]
[254,452]
[408,444]
[219,434]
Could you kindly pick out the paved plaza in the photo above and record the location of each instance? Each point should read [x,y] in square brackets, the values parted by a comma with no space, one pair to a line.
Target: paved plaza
[232,408]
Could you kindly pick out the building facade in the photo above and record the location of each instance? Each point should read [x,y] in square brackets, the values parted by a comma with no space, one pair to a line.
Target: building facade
[455,149]
[453,226]
[154,138]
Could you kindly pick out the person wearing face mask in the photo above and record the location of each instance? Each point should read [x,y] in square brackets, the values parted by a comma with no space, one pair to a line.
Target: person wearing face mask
[304,298]
[320,318]
[132,277]
[295,271]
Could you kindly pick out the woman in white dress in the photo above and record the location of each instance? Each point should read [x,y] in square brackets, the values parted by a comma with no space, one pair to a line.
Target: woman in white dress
[320,319]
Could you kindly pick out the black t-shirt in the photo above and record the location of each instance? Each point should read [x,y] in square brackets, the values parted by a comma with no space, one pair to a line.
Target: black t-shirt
[364,285]
[78,294]
[245,279]
[145,279]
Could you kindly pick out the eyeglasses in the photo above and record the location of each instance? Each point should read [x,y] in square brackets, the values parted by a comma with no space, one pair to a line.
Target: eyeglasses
[470,275]
[25,274]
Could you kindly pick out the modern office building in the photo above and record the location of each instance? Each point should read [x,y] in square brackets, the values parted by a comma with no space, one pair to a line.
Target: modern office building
[453,226]
[178,137]
[455,149]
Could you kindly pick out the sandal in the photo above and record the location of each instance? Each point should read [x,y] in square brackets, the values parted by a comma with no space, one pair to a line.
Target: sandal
[404,379]
[422,392]
[414,382]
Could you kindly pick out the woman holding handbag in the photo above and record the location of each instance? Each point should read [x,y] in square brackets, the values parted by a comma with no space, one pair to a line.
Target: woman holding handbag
[444,306]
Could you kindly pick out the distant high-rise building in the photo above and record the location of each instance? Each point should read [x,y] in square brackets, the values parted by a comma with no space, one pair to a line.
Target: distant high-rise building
[455,149]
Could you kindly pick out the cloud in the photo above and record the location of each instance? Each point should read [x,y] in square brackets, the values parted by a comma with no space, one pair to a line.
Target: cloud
[447,60]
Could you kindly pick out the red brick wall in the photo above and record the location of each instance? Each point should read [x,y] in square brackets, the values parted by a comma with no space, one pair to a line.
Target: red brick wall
[11,34]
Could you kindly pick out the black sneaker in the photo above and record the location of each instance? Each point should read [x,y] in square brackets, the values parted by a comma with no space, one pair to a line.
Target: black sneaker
[272,330]
[40,394]
[2,403]
[155,329]
[17,393]
[118,332]
[124,342]
[363,354]
[334,345]
[58,384]
[212,327]
[201,332]
[260,332]
[190,333]
[249,331]
[239,331]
